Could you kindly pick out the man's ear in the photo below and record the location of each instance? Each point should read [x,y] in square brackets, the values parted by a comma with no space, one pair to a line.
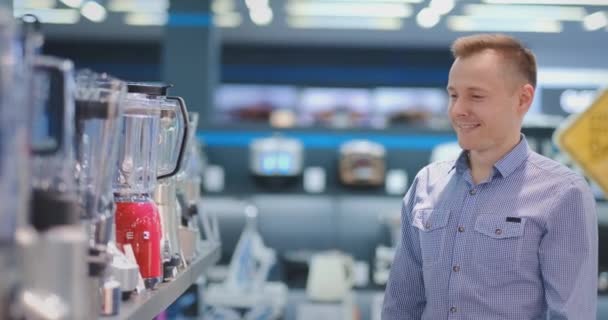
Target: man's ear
[526,95]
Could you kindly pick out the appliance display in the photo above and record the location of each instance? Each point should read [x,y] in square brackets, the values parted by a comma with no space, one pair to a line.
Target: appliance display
[276,156]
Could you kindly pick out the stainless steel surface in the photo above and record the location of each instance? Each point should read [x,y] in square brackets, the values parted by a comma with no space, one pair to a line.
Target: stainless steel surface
[102,229]
[150,303]
[93,285]
[125,271]
[165,198]
[55,264]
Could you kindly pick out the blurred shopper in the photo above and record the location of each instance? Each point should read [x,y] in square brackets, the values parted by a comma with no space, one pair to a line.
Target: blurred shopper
[501,232]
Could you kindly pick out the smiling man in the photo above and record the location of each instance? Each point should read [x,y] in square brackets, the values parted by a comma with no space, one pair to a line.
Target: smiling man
[501,232]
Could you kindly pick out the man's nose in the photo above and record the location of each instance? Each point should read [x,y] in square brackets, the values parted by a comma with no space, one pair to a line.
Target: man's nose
[458,108]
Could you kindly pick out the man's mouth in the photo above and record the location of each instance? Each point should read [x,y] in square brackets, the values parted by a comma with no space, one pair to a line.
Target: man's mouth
[467,126]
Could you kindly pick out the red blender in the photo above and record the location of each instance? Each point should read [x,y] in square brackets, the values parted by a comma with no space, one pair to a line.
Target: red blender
[138,221]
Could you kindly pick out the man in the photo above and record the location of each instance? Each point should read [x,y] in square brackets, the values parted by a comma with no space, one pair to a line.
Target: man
[501,232]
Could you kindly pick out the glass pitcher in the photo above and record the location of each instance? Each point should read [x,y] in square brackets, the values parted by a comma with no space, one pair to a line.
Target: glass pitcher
[98,112]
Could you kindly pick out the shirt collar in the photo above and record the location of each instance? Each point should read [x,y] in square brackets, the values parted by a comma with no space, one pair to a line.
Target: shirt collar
[505,166]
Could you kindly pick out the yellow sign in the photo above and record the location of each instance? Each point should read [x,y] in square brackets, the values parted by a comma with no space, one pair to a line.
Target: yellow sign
[585,139]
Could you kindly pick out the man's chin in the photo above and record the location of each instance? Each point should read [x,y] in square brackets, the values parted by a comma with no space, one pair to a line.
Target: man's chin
[467,145]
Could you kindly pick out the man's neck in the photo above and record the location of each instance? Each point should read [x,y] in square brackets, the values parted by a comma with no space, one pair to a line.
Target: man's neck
[482,162]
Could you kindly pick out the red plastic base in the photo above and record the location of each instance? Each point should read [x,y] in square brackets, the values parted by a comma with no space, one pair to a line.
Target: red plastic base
[138,224]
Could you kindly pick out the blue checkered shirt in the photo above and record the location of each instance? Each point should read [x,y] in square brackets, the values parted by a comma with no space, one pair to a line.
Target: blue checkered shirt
[521,245]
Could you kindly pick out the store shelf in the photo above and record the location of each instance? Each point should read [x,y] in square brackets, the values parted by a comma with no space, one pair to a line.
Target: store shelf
[150,303]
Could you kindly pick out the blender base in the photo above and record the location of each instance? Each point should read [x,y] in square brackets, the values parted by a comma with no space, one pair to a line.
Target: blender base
[152,283]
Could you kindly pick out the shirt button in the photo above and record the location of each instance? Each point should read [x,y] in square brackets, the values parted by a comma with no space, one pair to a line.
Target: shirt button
[472,192]
[428,225]
[461,229]
[456,268]
[498,232]
[453,309]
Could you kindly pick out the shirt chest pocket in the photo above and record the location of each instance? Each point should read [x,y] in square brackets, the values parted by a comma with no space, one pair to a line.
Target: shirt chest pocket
[432,226]
[499,241]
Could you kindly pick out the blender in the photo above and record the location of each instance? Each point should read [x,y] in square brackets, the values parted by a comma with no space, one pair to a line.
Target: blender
[189,181]
[55,271]
[172,146]
[138,222]
[98,111]
[14,159]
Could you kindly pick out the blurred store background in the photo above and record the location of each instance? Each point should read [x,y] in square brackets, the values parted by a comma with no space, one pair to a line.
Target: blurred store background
[316,114]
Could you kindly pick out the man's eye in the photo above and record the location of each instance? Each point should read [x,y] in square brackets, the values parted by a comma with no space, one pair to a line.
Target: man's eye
[477,97]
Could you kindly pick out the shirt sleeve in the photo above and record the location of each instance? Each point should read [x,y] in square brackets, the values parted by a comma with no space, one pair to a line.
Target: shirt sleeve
[404,296]
[568,255]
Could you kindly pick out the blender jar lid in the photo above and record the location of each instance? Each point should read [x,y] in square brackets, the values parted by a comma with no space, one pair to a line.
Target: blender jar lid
[151,88]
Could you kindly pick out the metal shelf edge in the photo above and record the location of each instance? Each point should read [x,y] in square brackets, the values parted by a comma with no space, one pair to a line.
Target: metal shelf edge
[150,303]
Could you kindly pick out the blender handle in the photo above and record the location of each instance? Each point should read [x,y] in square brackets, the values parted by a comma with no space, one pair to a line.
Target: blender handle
[182,147]
[57,103]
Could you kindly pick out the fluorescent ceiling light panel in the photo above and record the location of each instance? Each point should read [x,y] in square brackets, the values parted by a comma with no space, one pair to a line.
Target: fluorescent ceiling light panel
[146,19]
[553,2]
[256,4]
[35,4]
[72,3]
[570,77]
[427,18]
[525,12]
[442,6]
[595,21]
[222,6]
[341,9]
[53,16]
[361,1]
[344,23]
[228,20]
[469,23]
[93,11]
[138,5]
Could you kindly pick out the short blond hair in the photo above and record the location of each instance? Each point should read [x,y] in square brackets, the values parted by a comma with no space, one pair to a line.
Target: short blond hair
[511,49]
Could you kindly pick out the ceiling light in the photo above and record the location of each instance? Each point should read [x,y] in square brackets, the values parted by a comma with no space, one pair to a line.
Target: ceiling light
[427,18]
[338,9]
[222,6]
[303,22]
[93,11]
[228,20]
[442,6]
[52,16]
[595,21]
[261,16]
[138,6]
[525,12]
[566,77]
[146,19]
[34,4]
[72,3]
[469,23]
[256,4]
[363,1]
[553,2]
